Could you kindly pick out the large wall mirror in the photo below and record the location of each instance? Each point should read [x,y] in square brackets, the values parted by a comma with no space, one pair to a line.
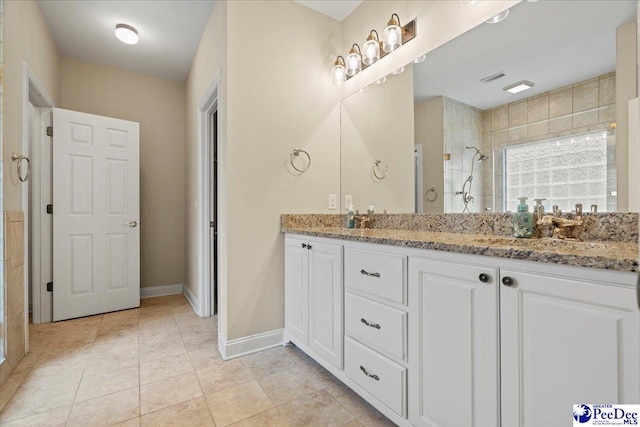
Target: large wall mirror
[477,147]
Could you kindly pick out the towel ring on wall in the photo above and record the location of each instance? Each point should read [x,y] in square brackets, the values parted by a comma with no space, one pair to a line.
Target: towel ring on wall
[296,152]
[431,194]
[20,158]
[376,165]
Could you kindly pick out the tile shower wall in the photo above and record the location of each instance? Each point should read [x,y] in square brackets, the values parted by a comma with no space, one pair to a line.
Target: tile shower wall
[462,128]
[575,109]
[14,281]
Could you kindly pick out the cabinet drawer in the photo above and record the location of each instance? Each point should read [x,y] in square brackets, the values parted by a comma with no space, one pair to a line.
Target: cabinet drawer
[383,378]
[376,324]
[377,273]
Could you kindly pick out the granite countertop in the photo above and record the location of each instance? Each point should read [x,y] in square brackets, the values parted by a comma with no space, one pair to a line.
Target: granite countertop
[612,255]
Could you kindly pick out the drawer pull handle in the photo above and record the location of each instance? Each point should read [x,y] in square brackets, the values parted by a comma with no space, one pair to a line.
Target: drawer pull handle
[366,273]
[373,325]
[375,377]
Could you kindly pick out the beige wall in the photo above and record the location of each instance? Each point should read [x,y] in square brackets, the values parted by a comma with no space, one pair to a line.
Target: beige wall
[26,38]
[280,97]
[438,22]
[378,124]
[429,131]
[159,106]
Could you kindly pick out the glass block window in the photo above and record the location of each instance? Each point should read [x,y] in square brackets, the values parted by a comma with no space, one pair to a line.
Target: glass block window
[565,171]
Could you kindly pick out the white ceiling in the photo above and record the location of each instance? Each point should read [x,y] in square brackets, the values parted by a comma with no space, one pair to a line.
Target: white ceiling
[169,33]
[336,9]
[551,43]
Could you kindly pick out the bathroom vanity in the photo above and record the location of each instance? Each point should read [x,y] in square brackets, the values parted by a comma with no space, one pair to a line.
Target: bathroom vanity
[454,329]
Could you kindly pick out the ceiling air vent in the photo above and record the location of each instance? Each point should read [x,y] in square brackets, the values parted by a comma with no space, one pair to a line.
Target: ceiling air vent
[494,77]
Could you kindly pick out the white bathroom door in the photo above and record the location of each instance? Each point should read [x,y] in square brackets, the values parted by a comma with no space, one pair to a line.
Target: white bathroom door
[96,214]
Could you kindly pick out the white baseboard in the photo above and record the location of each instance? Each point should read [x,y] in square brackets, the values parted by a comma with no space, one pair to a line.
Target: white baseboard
[161,290]
[251,344]
[192,298]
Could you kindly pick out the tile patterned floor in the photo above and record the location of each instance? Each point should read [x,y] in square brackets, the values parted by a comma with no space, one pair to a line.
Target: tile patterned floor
[159,366]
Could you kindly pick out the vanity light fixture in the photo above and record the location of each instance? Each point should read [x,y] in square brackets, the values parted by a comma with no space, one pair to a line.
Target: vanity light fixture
[354,61]
[498,18]
[420,59]
[371,48]
[392,35]
[357,60]
[127,34]
[338,71]
[519,87]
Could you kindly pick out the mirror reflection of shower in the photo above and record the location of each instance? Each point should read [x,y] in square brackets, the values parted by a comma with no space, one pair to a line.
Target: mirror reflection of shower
[467,197]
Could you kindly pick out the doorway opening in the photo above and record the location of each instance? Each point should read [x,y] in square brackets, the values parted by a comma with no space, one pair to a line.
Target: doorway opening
[209,206]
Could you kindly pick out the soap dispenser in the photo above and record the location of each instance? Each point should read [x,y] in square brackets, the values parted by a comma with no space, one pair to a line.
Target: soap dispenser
[350,217]
[523,220]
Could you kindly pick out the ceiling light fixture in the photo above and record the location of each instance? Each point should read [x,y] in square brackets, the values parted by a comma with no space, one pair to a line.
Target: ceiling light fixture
[498,18]
[371,48]
[127,34]
[466,3]
[380,80]
[519,87]
[398,71]
[420,59]
[357,60]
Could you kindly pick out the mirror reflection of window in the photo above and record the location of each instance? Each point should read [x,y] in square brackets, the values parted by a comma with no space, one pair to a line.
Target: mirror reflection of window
[577,166]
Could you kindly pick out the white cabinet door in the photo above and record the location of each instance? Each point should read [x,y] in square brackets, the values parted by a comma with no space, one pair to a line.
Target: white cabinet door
[296,302]
[96,198]
[565,342]
[326,301]
[453,344]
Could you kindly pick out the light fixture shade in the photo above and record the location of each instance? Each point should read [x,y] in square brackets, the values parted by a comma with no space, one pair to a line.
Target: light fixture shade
[127,34]
[392,35]
[338,72]
[371,49]
[354,61]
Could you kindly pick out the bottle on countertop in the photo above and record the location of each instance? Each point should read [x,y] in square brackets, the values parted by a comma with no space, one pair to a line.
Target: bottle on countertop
[350,217]
[523,220]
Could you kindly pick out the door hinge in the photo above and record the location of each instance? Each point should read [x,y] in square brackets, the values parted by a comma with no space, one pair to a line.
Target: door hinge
[49,130]
[211,224]
[50,209]
[49,286]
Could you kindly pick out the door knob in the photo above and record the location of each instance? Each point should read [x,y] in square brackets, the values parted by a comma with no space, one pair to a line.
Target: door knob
[131,223]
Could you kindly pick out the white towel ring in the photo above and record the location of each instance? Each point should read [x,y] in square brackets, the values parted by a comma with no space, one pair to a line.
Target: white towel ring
[296,152]
[376,165]
[20,158]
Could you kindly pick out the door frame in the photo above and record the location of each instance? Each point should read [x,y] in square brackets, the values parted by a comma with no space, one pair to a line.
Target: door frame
[419,191]
[209,103]
[33,91]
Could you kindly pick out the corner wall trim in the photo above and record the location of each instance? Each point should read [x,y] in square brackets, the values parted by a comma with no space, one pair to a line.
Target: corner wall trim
[251,344]
[192,298]
[161,290]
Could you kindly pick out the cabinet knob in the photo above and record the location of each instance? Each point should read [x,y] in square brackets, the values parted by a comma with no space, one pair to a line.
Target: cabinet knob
[484,278]
[304,245]
[308,246]
[507,281]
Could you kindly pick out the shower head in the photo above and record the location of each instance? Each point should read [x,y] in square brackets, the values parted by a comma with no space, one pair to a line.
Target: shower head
[482,156]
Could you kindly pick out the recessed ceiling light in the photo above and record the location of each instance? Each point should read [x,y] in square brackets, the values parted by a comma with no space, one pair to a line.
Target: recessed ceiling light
[127,34]
[420,59]
[466,3]
[398,71]
[519,87]
[498,18]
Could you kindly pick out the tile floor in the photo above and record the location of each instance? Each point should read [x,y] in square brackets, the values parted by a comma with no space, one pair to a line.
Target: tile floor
[159,366]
